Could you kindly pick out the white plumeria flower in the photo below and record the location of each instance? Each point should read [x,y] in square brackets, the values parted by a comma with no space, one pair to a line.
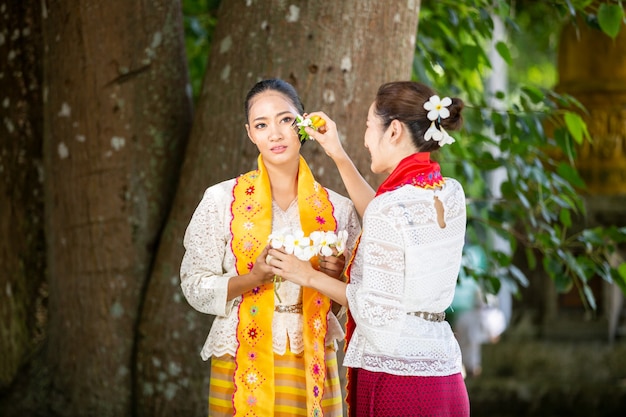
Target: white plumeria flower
[324,242]
[277,240]
[437,108]
[296,240]
[446,138]
[433,133]
[305,253]
[317,237]
[302,122]
[342,239]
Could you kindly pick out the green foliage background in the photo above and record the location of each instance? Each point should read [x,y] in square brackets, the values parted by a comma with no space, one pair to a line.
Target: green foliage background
[528,130]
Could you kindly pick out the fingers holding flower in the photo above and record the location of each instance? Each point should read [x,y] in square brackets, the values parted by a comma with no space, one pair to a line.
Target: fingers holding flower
[327,137]
[308,123]
[290,267]
[332,265]
[261,267]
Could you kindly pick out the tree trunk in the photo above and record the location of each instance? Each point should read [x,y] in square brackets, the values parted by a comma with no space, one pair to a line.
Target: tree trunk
[117,114]
[22,293]
[336,54]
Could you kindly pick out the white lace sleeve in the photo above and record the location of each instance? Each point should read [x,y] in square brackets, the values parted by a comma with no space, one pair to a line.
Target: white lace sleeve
[375,300]
[204,280]
[353,227]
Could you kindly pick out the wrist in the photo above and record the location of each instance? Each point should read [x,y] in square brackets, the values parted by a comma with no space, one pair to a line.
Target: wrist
[254,280]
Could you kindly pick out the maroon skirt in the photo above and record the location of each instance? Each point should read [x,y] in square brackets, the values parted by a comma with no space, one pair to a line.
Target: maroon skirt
[378,394]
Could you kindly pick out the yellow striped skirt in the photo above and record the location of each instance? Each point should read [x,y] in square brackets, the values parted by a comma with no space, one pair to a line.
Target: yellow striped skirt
[290,386]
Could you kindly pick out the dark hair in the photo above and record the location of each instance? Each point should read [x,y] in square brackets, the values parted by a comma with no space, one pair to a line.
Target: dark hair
[275,84]
[404,101]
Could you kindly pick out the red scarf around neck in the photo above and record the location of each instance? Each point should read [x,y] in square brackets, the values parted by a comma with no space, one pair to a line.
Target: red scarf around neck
[416,169]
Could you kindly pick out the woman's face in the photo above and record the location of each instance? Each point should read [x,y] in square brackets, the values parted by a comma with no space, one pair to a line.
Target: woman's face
[374,141]
[269,127]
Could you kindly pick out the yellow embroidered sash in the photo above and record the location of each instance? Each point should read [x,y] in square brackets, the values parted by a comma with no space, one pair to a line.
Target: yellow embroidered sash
[251,225]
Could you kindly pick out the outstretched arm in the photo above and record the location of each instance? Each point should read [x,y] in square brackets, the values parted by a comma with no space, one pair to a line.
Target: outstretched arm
[361,193]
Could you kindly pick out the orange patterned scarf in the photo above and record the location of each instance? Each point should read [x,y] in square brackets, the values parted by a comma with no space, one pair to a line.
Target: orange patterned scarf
[251,225]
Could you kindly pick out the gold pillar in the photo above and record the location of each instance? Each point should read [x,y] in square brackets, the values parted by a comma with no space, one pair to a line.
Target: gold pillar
[592,68]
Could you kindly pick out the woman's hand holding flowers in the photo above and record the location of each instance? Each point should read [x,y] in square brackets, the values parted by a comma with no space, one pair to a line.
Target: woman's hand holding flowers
[329,138]
[261,271]
[290,255]
[333,265]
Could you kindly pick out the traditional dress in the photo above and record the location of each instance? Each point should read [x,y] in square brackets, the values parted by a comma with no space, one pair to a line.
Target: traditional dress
[272,355]
[403,357]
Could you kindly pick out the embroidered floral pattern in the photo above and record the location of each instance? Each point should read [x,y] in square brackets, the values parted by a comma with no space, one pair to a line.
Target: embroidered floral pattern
[317,324]
[252,333]
[316,369]
[252,378]
[250,227]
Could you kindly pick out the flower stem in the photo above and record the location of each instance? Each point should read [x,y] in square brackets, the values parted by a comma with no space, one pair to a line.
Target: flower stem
[277,280]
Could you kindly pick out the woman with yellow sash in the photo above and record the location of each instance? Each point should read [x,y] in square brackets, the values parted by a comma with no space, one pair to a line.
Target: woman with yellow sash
[272,347]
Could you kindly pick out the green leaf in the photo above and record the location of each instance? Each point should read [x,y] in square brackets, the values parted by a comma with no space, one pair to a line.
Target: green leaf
[620,279]
[554,268]
[589,296]
[504,52]
[576,126]
[519,275]
[565,218]
[610,18]
[470,56]
[570,174]
[535,94]
[562,283]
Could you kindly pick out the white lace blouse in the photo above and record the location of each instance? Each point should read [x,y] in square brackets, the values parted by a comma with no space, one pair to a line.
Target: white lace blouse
[406,263]
[209,263]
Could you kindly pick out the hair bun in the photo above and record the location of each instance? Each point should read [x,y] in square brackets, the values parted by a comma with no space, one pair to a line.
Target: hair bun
[455,120]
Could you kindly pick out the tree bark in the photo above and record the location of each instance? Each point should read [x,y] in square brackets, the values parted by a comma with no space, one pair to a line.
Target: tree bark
[336,54]
[117,113]
[22,312]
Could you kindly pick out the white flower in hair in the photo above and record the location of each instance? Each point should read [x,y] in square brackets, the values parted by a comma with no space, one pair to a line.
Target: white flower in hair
[437,108]
[445,138]
[433,133]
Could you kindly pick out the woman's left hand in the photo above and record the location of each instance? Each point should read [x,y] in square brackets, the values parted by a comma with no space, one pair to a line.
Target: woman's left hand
[333,265]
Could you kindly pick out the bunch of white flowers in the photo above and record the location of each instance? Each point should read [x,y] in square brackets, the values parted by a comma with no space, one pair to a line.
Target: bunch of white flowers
[306,247]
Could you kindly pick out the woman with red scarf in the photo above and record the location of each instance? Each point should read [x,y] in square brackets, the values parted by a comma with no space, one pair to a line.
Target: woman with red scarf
[402,357]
